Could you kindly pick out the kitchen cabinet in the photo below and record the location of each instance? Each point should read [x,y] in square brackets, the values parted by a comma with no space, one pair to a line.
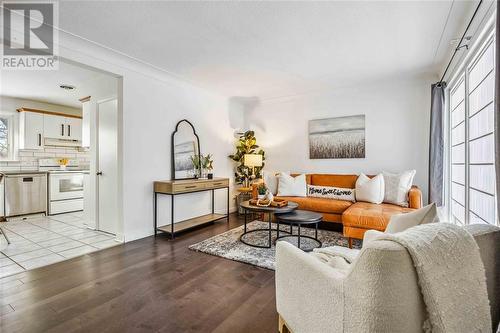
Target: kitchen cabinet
[31,130]
[54,126]
[59,127]
[73,128]
[37,125]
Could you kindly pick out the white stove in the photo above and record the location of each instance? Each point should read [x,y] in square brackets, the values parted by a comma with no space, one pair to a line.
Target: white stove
[65,186]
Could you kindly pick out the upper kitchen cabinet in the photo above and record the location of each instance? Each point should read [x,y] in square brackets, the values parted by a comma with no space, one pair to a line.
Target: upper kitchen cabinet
[31,130]
[54,127]
[39,128]
[60,127]
[74,128]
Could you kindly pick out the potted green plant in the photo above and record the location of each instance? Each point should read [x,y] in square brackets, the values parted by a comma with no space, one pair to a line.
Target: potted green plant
[262,191]
[246,144]
[207,166]
[196,161]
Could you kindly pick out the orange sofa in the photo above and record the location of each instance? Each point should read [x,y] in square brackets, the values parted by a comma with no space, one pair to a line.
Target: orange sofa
[356,217]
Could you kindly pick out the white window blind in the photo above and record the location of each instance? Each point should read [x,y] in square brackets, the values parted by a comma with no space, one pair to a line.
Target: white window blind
[472,146]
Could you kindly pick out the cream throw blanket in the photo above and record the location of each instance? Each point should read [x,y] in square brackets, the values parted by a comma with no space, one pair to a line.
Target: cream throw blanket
[451,277]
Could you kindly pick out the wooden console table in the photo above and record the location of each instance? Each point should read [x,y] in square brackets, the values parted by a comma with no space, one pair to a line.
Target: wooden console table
[179,187]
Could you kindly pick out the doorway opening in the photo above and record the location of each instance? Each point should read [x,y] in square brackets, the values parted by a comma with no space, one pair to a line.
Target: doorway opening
[60,134]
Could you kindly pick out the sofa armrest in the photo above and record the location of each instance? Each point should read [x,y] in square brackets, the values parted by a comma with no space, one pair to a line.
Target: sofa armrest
[415,197]
[309,293]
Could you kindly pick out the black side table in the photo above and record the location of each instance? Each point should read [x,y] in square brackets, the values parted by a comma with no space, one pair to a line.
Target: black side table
[299,218]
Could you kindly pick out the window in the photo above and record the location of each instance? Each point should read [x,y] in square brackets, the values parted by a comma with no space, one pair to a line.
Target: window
[472,153]
[6,137]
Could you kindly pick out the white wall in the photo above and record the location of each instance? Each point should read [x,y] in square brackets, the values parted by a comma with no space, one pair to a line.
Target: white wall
[153,102]
[397,128]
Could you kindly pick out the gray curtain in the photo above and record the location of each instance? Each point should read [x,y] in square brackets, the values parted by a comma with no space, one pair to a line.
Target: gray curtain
[436,144]
[497,109]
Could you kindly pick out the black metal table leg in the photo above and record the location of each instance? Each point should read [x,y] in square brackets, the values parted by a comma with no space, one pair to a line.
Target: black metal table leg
[278,228]
[172,217]
[316,232]
[270,230]
[298,238]
[155,212]
[228,205]
[245,225]
[213,200]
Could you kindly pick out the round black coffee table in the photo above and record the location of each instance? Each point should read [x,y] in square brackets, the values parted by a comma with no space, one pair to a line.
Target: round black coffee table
[246,206]
[300,218]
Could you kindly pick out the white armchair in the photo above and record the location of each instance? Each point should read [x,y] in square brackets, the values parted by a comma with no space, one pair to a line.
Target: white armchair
[378,293]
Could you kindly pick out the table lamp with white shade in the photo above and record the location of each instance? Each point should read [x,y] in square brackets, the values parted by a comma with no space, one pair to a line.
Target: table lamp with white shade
[252,160]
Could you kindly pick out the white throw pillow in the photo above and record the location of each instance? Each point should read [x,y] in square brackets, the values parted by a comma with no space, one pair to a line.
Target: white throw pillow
[289,186]
[370,190]
[397,186]
[331,192]
[271,179]
[402,222]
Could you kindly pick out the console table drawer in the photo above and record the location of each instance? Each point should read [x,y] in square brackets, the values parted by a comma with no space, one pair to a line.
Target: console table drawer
[190,187]
[217,183]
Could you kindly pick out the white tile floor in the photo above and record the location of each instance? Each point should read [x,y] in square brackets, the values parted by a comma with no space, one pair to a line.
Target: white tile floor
[40,241]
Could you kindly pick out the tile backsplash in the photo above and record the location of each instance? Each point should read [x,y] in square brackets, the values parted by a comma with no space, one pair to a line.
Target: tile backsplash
[28,159]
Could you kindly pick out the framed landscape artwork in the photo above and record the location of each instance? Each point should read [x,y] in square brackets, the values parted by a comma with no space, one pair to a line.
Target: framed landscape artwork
[182,156]
[340,137]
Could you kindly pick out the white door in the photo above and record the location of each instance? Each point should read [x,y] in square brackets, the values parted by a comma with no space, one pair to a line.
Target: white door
[32,130]
[107,165]
[54,127]
[74,128]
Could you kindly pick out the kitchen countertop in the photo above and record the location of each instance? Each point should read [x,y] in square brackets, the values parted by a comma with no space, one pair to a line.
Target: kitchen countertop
[69,171]
[23,172]
[32,172]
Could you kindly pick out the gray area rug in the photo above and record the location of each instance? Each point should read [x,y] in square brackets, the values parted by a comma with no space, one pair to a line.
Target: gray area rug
[228,245]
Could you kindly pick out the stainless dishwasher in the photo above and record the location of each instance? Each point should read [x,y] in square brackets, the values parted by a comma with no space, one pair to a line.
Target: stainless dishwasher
[25,193]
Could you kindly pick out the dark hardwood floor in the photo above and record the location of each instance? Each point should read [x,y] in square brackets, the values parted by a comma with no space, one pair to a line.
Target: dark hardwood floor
[146,285]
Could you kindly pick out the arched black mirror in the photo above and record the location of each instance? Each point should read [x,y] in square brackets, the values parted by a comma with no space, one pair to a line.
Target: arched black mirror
[185,151]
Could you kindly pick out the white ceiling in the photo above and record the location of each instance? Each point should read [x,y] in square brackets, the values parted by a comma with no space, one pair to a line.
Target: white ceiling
[270,49]
[262,49]
[43,86]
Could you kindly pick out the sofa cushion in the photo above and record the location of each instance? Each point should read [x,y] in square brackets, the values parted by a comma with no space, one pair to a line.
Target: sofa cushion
[371,216]
[401,222]
[321,205]
[292,186]
[271,180]
[345,181]
[331,192]
[370,189]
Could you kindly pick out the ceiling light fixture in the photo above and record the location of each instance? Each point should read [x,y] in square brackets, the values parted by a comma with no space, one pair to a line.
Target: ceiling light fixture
[67,87]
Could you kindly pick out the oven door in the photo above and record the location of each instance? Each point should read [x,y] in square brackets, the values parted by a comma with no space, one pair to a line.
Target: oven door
[64,186]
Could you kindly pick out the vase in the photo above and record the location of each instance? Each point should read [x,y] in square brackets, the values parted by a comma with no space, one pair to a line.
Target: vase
[204,174]
[261,196]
